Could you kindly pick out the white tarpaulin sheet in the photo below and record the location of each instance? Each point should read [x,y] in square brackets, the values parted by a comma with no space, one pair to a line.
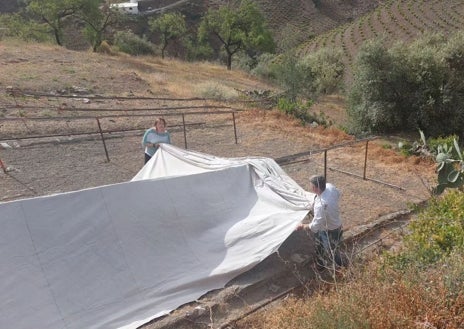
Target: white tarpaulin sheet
[120,255]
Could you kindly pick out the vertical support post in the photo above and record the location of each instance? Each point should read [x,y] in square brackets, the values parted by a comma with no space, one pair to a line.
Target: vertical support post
[185,131]
[325,164]
[365,160]
[103,140]
[235,128]
[3,166]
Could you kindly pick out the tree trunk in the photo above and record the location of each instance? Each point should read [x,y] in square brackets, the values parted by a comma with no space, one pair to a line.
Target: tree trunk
[229,61]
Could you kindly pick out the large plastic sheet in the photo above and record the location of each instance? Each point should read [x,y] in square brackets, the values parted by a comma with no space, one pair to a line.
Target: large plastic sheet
[118,256]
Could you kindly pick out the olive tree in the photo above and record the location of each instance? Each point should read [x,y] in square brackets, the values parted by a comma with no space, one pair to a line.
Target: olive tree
[97,16]
[171,26]
[237,28]
[409,87]
[52,12]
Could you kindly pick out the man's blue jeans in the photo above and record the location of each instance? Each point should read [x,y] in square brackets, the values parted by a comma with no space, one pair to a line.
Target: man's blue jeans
[327,247]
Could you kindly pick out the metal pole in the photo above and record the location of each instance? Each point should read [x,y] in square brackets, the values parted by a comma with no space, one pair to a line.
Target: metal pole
[235,128]
[103,140]
[185,132]
[365,160]
[325,164]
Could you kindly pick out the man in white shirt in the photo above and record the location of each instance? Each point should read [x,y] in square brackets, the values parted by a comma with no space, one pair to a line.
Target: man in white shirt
[326,223]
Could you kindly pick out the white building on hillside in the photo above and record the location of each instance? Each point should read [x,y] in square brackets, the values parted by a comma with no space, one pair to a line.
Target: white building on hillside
[131,7]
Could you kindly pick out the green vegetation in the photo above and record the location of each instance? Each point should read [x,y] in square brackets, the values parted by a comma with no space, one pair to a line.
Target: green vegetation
[437,233]
[302,80]
[327,68]
[446,153]
[53,12]
[301,111]
[293,75]
[450,167]
[20,27]
[418,287]
[96,15]
[97,19]
[171,26]
[409,87]
[132,44]
[241,28]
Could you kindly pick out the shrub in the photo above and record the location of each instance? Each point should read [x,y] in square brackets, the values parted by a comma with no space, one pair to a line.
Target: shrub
[300,110]
[438,231]
[264,66]
[132,44]
[213,90]
[430,147]
[196,50]
[409,87]
[16,26]
[327,69]
[294,75]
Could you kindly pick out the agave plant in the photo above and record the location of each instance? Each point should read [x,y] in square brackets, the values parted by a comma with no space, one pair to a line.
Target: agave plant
[450,167]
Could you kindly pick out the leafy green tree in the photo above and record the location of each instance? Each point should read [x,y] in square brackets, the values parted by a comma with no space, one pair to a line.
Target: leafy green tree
[378,93]
[97,18]
[195,49]
[409,87]
[96,14]
[241,28]
[52,12]
[294,75]
[171,26]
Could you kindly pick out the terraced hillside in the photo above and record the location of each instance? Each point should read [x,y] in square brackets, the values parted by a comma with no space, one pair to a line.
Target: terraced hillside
[348,24]
[396,20]
[313,19]
[309,18]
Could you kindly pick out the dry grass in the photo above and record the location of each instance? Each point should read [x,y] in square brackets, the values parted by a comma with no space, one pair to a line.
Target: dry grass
[46,68]
[373,298]
[182,79]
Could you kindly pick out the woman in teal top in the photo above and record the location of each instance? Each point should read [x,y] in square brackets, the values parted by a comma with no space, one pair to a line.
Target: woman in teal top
[155,136]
